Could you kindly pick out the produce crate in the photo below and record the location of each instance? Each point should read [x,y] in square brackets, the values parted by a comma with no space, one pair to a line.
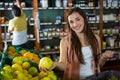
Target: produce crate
[106,75]
[5,60]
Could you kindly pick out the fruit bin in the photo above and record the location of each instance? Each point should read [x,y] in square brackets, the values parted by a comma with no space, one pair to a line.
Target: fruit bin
[105,75]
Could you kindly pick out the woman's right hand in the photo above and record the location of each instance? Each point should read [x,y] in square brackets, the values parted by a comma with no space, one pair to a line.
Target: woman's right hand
[46,69]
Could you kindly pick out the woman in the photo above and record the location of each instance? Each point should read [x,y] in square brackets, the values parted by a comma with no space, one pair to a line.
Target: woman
[80,50]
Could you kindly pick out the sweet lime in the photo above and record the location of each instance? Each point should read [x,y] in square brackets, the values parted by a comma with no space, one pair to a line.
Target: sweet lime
[46,62]
[17,60]
[17,67]
[25,65]
[33,71]
[46,78]
[43,74]
[7,69]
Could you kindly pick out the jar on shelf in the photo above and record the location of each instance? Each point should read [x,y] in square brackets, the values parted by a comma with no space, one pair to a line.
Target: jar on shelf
[6,5]
[58,19]
[65,3]
[111,41]
[104,45]
[1,4]
[10,5]
[58,3]
[115,3]
[44,3]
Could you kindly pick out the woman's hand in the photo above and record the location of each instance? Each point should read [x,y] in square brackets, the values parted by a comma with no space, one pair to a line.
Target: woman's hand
[46,69]
[108,54]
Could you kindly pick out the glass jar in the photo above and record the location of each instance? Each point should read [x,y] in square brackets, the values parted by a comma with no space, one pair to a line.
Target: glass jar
[65,3]
[44,3]
[58,3]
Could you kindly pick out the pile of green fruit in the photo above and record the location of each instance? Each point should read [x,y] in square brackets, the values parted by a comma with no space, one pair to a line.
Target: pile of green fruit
[23,70]
[13,52]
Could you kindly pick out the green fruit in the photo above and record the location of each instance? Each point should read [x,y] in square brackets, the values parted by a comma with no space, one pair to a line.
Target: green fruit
[33,71]
[26,65]
[17,67]
[46,62]
[8,69]
[7,76]
[50,72]
[43,74]
[35,78]
[20,75]
[52,76]
[1,76]
[17,60]
[46,78]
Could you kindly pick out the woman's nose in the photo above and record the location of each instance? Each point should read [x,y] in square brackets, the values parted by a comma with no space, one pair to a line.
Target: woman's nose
[74,24]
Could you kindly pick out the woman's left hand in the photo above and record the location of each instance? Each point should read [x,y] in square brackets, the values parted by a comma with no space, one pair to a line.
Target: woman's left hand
[109,54]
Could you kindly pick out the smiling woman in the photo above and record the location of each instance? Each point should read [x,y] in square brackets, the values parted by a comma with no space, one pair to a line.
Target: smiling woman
[76,22]
[80,49]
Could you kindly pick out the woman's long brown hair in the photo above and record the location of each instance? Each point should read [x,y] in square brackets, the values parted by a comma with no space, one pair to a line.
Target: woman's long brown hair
[89,36]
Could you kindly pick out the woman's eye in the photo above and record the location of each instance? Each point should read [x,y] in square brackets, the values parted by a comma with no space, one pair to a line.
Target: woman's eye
[78,19]
[71,21]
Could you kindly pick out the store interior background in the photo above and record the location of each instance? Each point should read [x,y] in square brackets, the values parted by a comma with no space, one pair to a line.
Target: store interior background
[104,15]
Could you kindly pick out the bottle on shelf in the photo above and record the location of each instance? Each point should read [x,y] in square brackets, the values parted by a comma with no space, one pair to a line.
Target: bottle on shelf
[44,3]
[65,3]
[58,3]
[37,21]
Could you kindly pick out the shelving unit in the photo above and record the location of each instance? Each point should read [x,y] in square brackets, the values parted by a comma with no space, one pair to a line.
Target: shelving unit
[109,30]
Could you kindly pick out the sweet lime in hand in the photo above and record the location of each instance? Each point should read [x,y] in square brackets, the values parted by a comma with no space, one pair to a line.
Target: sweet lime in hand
[46,62]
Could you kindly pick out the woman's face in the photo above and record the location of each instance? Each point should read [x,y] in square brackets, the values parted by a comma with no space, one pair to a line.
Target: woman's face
[76,22]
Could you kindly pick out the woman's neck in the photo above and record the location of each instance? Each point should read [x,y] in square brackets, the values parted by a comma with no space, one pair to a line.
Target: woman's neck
[80,35]
[82,39]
